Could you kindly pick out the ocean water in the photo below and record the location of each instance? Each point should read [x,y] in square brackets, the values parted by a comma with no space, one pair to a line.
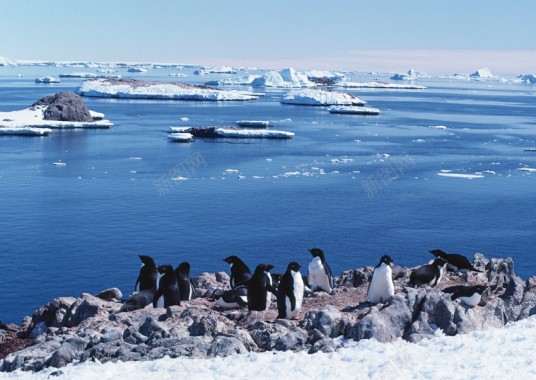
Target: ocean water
[357,187]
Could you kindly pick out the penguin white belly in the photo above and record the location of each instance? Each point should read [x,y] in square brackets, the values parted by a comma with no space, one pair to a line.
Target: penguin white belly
[230,305]
[317,276]
[160,302]
[381,286]
[298,294]
[471,301]
[268,294]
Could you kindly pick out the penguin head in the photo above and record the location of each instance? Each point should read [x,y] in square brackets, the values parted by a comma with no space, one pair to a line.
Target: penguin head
[263,268]
[232,260]
[294,267]
[438,253]
[387,260]
[439,262]
[184,267]
[147,260]
[480,289]
[317,252]
[165,269]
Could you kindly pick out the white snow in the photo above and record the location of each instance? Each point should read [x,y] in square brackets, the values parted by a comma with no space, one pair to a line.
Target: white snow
[180,137]
[496,353]
[253,133]
[321,98]
[47,79]
[354,110]
[33,118]
[105,88]
[483,73]
[383,85]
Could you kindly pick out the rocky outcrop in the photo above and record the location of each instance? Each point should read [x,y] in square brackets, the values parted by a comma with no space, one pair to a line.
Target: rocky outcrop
[64,106]
[71,329]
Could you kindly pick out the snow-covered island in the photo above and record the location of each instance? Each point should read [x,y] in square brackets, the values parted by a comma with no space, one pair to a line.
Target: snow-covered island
[284,78]
[312,97]
[137,89]
[64,110]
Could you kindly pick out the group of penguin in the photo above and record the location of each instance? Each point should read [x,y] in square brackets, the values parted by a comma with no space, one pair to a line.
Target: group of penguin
[164,286]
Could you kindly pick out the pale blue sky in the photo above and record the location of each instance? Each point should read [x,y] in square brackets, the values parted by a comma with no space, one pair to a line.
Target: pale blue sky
[392,35]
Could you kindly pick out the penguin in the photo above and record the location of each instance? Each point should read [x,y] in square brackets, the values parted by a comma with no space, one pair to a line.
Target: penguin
[381,286]
[456,262]
[186,286]
[468,295]
[319,275]
[231,299]
[138,300]
[259,288]
[147,279]
[168,288]
[240,272]
[290,292]
[429,274]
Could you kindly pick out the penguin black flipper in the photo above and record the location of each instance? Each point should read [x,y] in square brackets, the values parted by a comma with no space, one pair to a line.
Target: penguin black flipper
[329,273]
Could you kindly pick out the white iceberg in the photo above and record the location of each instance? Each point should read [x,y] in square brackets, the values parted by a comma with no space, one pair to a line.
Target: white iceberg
[78,75]
[215,70]
[321,98]
[459,175]
[7,62]
[137,70]
[527,78]
[483,73]
[180,137]
[47,79]
[318,74]
[354,110]
[136,89]
[286,78]
[382,85]
[33,117]
[410,75]
[240,81]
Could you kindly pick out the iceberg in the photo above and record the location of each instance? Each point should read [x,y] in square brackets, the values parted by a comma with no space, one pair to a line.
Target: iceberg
[7,62]
[240,81]
[354,110]
[137,70]
[527,78]
[382,85]
[483,73]
[78,75]
[410,75]
[47,79]
[287,78]
[24,131]
[137,89]
[321,98]
[215,70]
[318,74]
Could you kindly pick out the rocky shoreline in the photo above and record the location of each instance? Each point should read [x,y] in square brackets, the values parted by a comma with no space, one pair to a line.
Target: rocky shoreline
[70,330]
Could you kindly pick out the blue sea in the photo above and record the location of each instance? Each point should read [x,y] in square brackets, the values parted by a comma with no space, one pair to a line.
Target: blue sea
[358,187]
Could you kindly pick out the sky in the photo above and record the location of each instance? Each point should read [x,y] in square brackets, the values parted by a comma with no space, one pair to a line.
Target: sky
[434,36]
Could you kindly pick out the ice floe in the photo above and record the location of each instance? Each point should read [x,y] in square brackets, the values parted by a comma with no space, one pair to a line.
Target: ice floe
[47,79]
[136,89]
[530,170]
[483,73]
[445,173]
[253,123]
[215,70]
[78,75]
[220,132]
[24,131]
[321,98]
[354,110]
[410,75]
[180,137]
[382,85]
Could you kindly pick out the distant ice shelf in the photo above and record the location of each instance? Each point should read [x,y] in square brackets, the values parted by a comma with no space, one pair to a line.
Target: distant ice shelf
[136,89]
[382,85]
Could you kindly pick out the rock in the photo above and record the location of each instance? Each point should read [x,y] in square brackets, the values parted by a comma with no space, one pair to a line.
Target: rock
[112,295]
[64,106]
[53,313]
[88,306]
[224,345]
[66,353]
[282,335]
[329,321]
[111,336]
[151,328]
[138,300]
[325,345]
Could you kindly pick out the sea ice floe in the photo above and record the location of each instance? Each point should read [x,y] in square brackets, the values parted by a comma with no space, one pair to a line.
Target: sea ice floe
[78,75]
[460,175]
[438,127]
[530,170]
[180,137]
[354,110]
[382,85]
